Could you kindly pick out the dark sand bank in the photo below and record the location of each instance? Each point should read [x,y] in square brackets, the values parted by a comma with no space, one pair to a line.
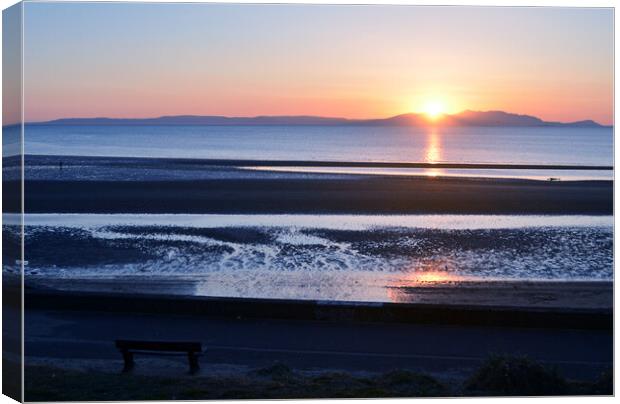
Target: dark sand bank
[524,304]
[590,295]
[143,185]
[523,294]
[364,195]
[193,163]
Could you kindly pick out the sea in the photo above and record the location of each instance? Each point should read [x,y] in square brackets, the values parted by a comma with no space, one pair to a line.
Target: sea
[513,145]
[328,257]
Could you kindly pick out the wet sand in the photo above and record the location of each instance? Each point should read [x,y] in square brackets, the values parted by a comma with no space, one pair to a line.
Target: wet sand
[363,195]
[195,163]
[564,295]
[528,311]
[141,185]
[523,294]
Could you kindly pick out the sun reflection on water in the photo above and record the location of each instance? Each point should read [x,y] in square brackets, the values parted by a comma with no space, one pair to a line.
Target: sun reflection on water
[433,152]
[431,274]
[433,147]
[433,277]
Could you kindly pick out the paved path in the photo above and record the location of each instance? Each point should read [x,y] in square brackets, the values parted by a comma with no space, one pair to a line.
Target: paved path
[317,345]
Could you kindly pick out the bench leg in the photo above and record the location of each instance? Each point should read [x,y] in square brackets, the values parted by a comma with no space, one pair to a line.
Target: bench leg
[129,363]
[193,362]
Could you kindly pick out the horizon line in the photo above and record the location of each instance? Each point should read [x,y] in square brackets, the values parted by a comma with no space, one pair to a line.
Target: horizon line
[417,114]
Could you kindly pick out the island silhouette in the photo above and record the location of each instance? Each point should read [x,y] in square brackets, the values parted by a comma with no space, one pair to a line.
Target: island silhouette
[464,118]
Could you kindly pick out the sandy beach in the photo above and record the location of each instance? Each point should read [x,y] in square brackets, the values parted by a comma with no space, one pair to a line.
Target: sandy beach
[124,185]
[526,295]
[360,195]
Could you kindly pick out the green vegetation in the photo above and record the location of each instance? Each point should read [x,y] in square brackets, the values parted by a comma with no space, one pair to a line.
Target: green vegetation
[509,376]
[497,376]
[520,376]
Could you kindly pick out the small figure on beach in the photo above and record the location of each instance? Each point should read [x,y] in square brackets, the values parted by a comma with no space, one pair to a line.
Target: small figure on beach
[60,165]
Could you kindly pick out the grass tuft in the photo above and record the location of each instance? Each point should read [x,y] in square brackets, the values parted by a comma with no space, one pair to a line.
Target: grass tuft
[277,372]
[516,376]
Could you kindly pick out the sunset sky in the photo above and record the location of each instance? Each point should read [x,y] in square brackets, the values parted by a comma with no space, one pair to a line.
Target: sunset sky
[145,60]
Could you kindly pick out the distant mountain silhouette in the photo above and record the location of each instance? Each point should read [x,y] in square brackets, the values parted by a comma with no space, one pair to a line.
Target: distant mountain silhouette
[465,118]
[501,118]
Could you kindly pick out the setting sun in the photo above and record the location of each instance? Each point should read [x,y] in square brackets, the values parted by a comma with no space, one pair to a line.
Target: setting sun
[434,109]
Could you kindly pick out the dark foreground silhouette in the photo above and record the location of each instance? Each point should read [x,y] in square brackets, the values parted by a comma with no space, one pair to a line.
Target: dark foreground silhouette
[498,376]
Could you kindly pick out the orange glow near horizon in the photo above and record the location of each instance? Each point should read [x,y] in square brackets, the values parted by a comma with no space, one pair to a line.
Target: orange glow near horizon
[367,100]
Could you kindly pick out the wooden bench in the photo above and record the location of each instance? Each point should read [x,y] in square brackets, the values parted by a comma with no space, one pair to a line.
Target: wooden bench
[130,347]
